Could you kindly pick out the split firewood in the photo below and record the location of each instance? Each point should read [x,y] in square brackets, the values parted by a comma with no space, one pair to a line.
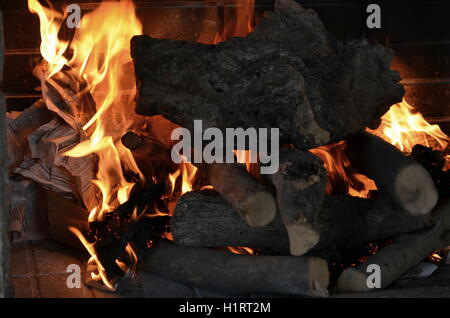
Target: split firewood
[300,186]
[205,219]
[402,178]
[287,74]
[249,198]
[235,274]
[396,259]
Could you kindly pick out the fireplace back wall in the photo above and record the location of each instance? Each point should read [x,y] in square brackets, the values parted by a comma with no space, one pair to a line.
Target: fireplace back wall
[417,32]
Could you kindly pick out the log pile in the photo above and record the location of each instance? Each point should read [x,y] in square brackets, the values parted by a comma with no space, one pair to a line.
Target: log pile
[287,74]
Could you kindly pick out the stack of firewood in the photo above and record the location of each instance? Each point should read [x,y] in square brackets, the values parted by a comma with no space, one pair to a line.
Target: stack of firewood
[287,74]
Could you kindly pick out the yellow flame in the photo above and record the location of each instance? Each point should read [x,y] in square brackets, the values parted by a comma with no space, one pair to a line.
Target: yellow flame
[52,48]
[101,48]
[404,127]
[339,176]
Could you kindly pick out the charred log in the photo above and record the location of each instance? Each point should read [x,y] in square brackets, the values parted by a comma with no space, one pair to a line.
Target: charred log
[204,219]
[235,274]
[287,74]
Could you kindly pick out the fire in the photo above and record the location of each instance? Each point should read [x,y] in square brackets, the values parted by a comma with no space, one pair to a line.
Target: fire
[52,49]
[404,127]
[99,51]
[238,20]
[341,177]
[401,126]
[241,250]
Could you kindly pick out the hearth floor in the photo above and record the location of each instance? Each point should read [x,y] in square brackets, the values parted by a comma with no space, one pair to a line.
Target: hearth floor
[39,270]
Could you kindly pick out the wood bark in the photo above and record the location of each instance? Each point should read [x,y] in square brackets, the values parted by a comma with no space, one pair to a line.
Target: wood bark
[396,259]
[204,219]
[5,249]
[235,274]
[287,74]
[400,177]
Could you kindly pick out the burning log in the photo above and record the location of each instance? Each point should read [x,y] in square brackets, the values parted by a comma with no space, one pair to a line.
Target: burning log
[238,274]
[204,219]
[244,193]
[287,74]
[300,186]
[396,259]
[119,227]
[400,177]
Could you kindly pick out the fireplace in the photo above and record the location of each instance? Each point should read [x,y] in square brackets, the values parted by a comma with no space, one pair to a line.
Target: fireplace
[233,148]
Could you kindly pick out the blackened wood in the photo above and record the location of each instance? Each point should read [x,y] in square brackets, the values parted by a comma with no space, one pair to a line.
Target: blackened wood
[396,259]
[249,198]
[235,274]
[114,230]
[204,219]
[287,74]
[402,178]
[5,249]
[300,187]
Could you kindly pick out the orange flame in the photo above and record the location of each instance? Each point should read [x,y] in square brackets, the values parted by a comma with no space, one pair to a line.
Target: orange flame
[241,250]
[401,126]
[404,127]
[340,176]
[52,48]
[237,21]
[100,51]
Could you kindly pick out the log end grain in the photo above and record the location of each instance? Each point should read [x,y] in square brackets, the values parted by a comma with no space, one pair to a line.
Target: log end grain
[352,281]
[318,276]
[302,238]
[260,209]
[415,190]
